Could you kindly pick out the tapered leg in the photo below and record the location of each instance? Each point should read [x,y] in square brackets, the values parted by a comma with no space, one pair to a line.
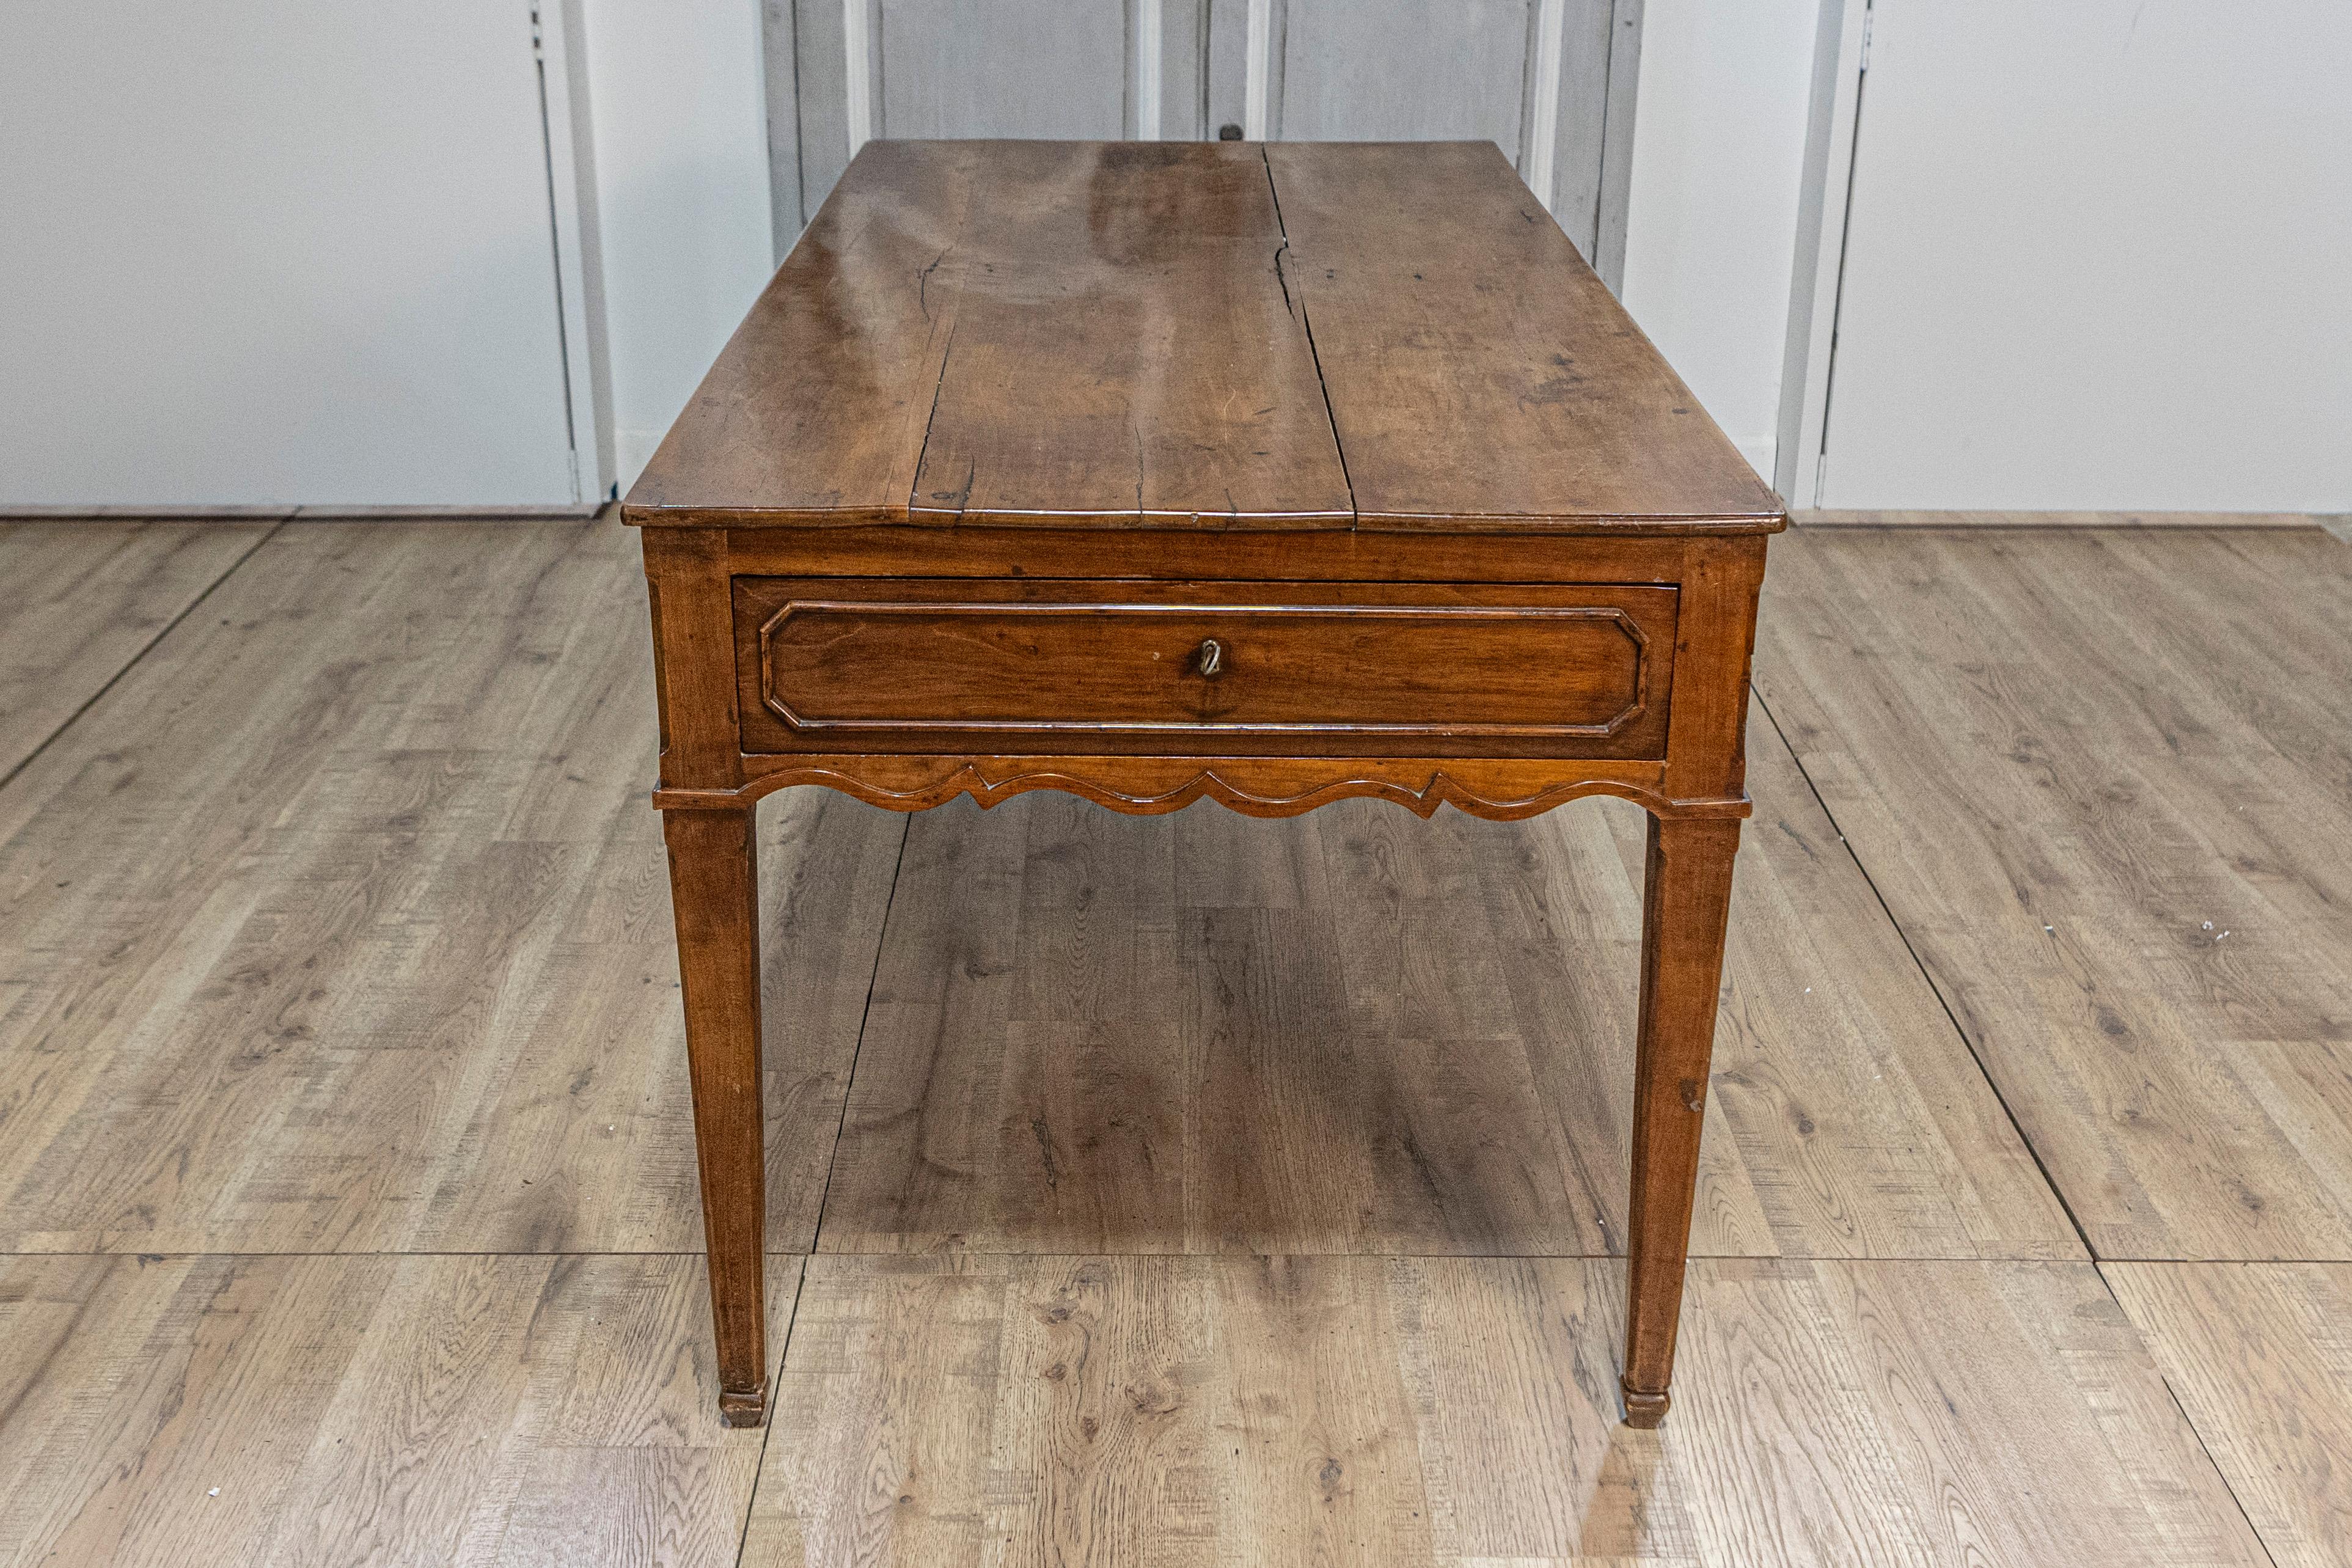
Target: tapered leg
[714,890]
[1685,901]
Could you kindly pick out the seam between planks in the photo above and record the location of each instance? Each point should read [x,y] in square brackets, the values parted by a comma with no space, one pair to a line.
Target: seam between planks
[71,720]
[817,1231]
[2000,1099]
[2182,1410]
[865,1017]
[775,1391]
[2090,1252]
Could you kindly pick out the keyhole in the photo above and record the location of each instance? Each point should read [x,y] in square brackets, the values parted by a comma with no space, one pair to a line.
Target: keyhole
[1211,658]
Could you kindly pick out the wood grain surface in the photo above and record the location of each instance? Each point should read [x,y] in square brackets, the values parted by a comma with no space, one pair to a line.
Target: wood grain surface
[341,924]
[953,665]
[1214,336]
[2259,1355]
[1476,367]
[84,598]
[350,1411]
[1359,1410]
[714,878]
[2104,781]
[1124,349]
[818,403]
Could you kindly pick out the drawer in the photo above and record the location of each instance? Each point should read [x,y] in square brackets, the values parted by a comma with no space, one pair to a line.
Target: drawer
[845,665]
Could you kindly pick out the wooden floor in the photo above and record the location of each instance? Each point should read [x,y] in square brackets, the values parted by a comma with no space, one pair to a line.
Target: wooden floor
[1177,1190]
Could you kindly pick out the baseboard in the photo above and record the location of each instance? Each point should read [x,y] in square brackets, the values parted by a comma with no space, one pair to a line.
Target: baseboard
[1819,518]
[452,513]
[147,513]
[289,514]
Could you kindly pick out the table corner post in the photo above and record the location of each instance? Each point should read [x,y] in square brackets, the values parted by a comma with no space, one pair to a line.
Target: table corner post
[714,878]
[715,901]
[1685,908]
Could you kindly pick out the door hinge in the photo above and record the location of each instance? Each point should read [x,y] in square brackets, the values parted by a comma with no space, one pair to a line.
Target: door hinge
[1821,478]
[1868,15]
[538,43]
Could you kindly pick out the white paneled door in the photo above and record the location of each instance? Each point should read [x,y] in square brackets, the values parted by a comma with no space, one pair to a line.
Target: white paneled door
[1545,80]
[2098,257]
[280,253]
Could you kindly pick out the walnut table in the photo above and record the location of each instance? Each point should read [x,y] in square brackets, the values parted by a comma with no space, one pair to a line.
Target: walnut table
[1155,472]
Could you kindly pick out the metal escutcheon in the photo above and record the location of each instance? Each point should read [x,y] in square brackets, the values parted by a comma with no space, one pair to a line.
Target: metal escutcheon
[1211,660]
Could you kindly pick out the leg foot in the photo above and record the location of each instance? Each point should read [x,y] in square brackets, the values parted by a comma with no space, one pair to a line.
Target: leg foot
[1642,1410]
[740,1407]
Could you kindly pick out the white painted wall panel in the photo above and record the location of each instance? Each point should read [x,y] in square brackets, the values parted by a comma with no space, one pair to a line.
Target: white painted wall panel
[1401,70]
[2100,257]
[1023,68]
[681,142]
[277,253]
[1532,76]
[1718,155]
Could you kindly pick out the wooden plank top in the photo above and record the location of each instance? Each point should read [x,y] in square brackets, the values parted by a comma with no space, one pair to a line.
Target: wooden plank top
[1207,335]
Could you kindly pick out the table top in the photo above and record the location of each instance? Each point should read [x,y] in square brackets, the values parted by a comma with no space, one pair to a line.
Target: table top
[1193,335]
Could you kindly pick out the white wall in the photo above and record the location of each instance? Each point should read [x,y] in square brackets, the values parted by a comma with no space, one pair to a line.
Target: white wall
[1711,230]
[277,253]
[678,107]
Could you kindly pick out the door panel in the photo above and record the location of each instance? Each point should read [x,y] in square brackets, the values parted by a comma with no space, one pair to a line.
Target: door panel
[2095,259]
[1535,77]
[277,254]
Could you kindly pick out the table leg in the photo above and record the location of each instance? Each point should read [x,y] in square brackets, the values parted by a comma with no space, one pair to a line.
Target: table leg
[1685,901]
[714,888]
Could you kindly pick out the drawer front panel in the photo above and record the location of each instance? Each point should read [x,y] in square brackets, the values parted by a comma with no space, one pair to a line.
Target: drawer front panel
[1197,669]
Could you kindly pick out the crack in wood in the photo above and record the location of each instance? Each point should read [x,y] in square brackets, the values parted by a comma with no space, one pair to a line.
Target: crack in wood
[1306,324]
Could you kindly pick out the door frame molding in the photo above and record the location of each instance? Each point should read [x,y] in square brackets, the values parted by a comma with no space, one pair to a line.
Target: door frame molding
[578,244]
[1822,207]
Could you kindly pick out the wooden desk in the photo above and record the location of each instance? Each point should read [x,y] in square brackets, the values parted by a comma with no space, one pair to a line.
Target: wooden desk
[1155,472]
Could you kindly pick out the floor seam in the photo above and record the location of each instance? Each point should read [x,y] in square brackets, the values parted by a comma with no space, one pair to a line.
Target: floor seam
[2098,1264]
[71,720]
[816,1232]
[768,1425]
[2039,1165]
[865,1018]
[2187,1420]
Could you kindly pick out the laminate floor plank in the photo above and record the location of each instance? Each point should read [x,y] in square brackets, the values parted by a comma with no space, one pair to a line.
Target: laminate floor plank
[2261,1356]
[342,923]
[345,1410]
[2104,783]
[1355,1031]
[975,1409]
[84,597]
